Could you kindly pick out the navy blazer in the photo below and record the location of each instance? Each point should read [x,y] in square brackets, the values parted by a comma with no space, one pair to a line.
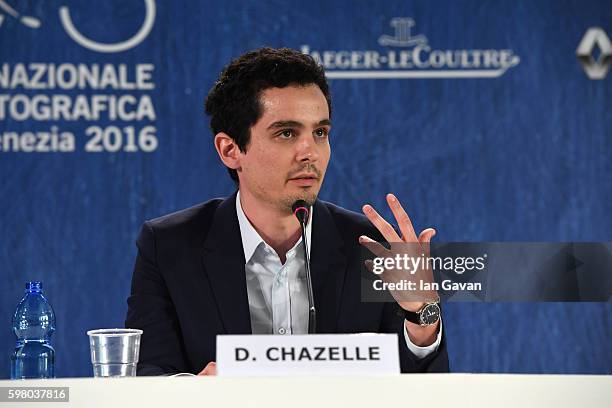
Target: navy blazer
[189,285]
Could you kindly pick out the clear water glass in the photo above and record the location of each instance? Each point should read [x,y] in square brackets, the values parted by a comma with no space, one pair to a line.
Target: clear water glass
[114,352]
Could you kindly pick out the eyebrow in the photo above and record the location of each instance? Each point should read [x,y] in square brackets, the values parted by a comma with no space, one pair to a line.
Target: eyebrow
[296,124]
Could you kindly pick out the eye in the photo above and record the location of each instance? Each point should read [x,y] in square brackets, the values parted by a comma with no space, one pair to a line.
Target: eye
[285,134]
[322,132]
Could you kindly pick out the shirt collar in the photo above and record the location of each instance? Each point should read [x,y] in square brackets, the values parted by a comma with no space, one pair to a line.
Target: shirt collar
[251,238]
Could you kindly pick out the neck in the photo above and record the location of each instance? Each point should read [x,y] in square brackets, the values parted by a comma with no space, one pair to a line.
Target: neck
[279,229]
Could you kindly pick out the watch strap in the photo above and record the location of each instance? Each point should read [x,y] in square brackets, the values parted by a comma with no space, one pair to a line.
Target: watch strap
[413,317]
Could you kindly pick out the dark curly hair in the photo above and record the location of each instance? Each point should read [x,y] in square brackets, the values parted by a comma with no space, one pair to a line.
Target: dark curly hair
[233,102]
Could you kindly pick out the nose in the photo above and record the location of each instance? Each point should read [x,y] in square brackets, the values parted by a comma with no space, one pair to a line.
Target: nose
[307,150]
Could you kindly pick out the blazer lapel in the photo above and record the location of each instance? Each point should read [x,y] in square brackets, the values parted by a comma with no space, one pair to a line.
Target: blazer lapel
[223,260]
[327,267]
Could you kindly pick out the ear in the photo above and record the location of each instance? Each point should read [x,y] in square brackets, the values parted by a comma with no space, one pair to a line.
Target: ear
[228,150]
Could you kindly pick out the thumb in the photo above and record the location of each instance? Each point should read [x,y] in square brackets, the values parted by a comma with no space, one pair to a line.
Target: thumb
[210,369]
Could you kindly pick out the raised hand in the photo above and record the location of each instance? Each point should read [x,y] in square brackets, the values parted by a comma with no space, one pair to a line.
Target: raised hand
[406,245]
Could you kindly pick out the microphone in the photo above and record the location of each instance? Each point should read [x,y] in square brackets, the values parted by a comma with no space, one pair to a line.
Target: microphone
[301,210]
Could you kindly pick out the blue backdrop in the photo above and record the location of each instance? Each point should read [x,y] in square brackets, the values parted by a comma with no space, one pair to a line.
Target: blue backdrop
[477,115]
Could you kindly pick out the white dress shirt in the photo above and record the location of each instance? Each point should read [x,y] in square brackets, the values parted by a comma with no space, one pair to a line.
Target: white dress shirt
[278,294]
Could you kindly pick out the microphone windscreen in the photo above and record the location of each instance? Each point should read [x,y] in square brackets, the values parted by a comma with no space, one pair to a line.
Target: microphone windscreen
[300,209]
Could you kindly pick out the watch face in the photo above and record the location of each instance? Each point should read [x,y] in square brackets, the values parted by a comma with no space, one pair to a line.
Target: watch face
[430,314]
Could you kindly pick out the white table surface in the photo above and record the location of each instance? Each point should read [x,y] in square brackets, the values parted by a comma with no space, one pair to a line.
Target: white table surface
[411,390]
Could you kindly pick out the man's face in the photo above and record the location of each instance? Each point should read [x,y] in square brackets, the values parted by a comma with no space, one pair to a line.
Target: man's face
[288,152]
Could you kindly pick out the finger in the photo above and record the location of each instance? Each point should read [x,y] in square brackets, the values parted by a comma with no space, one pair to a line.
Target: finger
[369,264]
[375,247]
[381,272]
[426,235]
[425,238]
[381,225]
[210,369]
[403,221]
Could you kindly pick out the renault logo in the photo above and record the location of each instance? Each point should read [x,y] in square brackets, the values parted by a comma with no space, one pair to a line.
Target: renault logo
[594,38]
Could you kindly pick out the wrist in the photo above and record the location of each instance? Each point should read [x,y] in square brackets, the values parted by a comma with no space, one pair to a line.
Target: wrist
[426,314]
[422,336]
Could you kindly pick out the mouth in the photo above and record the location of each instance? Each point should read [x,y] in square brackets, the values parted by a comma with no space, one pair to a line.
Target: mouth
[305,180]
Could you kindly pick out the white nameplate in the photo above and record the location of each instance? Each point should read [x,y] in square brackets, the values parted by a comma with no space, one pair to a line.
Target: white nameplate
[332,354]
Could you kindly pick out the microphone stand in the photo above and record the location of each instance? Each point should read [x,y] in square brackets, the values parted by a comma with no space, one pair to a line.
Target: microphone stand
[312,312]
[301,211]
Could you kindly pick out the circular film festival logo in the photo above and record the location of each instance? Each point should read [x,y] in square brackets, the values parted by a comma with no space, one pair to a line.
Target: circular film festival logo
[75,34]
[112,101]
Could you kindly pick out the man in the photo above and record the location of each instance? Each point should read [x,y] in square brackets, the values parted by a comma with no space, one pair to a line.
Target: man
[235,265]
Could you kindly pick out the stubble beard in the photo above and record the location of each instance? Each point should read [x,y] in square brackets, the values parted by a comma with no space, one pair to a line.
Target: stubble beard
[286,203]
[308,194]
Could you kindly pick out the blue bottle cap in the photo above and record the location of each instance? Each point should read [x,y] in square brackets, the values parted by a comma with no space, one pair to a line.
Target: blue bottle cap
[34,286]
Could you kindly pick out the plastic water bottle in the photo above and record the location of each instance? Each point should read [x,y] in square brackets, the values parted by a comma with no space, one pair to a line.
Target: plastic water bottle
[33,324]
